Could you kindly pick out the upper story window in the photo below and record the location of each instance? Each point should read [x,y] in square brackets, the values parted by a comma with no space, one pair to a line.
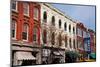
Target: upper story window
[26,8]
[59,23]
[79,32]
[53,38]
[69,28]
[74,43]
[65,41]
[53,20]
[73,30]
[70,43]
[14,5]
[36,13]
[65,26]
[44,37]
[35,34]
[25,32]
[59,39]
[45,16]
[13,29]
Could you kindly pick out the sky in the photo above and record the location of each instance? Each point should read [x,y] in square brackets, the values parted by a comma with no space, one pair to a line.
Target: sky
[84,14]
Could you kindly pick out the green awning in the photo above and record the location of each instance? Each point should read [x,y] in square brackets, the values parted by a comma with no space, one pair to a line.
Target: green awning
[93,55]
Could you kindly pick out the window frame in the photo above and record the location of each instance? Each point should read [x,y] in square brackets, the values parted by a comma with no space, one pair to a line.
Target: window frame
[26,32]
[24,9]
[15,7]
[15,29]
[37,11]
[36,30]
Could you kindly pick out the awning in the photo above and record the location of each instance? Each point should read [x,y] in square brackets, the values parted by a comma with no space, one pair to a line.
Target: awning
[25,56]
[93,55]
[56,53]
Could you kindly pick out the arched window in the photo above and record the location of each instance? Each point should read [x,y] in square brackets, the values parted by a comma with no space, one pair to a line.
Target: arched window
[35,37]
[74,43]
[59,23]
[73,30]
[25,32]
[44,36]
[65,26]
[53,38]
[53,20]
[69,28]
[65,41]
[45,16]
[70,43]
[59,39]
[13,28]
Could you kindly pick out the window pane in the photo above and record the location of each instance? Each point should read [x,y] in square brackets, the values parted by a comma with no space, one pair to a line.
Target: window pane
[14,5]
[36,13]
[26,8]
[13,28]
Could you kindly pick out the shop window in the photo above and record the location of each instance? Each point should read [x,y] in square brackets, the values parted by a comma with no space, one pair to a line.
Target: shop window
[36,13]
[25,32]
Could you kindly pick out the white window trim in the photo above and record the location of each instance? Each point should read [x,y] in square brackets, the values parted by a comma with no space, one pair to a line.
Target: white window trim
[15,31]
[27,34]
[15,10]
[28,11]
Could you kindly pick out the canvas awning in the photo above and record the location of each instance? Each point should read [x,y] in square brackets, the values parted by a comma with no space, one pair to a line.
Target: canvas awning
[25,56]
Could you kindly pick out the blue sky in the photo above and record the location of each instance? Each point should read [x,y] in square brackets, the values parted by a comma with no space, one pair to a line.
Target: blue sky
[84,14]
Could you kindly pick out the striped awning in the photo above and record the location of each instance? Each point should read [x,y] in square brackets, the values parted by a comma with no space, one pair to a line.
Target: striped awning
[25,56]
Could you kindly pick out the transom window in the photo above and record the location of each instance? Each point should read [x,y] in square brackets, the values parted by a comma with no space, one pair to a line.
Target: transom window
[36,13]
[25,32]
[26,8]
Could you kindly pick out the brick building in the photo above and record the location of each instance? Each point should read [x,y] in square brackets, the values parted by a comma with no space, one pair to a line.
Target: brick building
[25,32]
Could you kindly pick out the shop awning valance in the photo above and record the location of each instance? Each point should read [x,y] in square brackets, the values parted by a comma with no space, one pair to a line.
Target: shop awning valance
[25,56]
